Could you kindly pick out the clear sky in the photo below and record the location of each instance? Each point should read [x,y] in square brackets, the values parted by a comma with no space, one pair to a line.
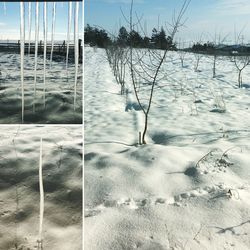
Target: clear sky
[205,17]
[10,20]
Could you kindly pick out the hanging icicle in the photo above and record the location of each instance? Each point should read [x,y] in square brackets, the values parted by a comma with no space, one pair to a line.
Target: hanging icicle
[29,25]
[68,33]
[36,52]
[4,8]
[53,32]
[44,50]
[22,40]
[76,40]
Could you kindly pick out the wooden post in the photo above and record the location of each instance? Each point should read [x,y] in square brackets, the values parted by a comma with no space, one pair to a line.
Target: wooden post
[139,138]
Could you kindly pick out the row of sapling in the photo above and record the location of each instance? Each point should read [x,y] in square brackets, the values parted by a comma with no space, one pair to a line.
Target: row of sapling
[211,49]
[117,57]
[145,65]
[241,61]
[22,50]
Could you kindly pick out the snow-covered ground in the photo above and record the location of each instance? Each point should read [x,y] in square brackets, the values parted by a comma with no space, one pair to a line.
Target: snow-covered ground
[19,187]
[59,92]
[189,186]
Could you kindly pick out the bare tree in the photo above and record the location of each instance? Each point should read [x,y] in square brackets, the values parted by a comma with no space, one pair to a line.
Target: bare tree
[145,64]
[217,40]
[241,62]
[181,52]
[197,55]
[117,57]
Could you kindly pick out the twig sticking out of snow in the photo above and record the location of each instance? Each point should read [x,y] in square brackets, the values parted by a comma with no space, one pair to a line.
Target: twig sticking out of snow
[40,241]
[195,237]
[204,157]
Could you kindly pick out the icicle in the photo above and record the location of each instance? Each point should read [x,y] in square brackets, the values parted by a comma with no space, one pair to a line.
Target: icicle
[22,38]
[4,8]
[76,48]
[53,32]
[40,240]
[29,25]
[36,51]
[44,50]
[68,34]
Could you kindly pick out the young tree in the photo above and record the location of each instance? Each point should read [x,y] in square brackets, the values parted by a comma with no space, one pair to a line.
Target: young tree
[241,62]
[182,53]
[117,58]
[217,41]
[145,65]
[198,48]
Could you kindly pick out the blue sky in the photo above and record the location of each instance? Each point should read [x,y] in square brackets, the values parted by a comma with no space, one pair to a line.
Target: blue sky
[205,17]
[10,20]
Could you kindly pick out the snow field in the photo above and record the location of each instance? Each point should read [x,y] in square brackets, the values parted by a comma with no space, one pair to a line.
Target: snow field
[188,188]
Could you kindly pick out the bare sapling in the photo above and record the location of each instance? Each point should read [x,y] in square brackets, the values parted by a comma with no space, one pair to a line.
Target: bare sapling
[145,64]
[182,53]
[197,55]
[216,42]
[118,59]
[214,64]
[121,68]
[241,62]
[240,59]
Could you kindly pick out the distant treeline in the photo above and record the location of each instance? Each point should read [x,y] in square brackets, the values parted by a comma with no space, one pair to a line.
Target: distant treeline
[211,48]
[100,38]
[158,40]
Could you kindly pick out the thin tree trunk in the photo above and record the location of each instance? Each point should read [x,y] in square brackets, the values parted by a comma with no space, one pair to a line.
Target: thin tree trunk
[214,66]
[145,129]
[239,79]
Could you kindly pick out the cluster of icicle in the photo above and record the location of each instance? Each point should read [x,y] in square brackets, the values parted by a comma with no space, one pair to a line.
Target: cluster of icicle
[45,31]
[22,42]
